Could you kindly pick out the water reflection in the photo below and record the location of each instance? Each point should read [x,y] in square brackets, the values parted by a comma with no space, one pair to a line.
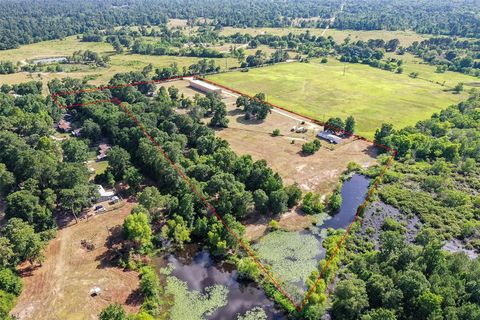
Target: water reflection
[354,191]
[199,271]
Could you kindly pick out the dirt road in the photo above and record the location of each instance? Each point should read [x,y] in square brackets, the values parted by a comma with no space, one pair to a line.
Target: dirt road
[59,289]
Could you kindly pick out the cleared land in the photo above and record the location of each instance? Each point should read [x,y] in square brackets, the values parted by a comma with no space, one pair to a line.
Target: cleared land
[123,62]
[59,289]
[318,172]
[406,37]
[53,48]
[371,95]
[427,72]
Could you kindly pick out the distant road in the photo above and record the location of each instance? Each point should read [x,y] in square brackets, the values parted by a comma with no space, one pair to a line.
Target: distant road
[332,19]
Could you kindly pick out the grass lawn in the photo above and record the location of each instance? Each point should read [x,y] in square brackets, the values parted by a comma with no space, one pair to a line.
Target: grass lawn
[99,166]
[371,95]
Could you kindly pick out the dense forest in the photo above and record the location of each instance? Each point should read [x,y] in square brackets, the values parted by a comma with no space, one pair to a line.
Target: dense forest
[24,22]
[40,180]
[424,16]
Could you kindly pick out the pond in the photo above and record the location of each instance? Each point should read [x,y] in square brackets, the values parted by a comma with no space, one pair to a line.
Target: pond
[354,192]
[293,255]
[199,271]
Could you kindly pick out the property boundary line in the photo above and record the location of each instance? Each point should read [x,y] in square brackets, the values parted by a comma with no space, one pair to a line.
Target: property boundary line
[209,207]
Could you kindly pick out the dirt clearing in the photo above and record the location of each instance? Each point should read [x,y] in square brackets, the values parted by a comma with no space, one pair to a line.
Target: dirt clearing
[60,288]
[319,172]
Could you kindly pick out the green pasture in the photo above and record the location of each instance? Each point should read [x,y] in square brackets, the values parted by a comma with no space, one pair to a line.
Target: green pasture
[371,95]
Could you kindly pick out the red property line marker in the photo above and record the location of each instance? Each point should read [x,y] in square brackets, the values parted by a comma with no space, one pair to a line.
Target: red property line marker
[202,198]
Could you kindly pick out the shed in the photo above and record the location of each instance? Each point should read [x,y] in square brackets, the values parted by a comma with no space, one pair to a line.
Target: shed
[204,86]
[77,132]
[329,136]
[104,195]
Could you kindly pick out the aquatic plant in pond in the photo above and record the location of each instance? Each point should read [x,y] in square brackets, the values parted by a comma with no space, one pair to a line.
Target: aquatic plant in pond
[256,313]
[192,304]
[292,255]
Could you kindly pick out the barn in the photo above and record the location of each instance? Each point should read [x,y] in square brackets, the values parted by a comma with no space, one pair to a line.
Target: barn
[204,86]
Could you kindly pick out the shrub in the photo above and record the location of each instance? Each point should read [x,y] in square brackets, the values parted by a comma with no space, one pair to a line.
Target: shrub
[273,225]
[113,312]
[335,202]
[311,147]
[7,302]
[294,195]
[312,203]
[10,282]
[276,132]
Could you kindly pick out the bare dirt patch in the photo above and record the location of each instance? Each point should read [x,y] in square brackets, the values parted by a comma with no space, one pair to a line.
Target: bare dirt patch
[319,172]
[292,220]
[60,288]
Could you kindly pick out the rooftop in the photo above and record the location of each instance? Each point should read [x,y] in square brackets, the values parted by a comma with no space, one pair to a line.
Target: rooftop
[204,84]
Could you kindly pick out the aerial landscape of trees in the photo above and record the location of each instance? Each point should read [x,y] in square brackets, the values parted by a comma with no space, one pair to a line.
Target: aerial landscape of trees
[411,254]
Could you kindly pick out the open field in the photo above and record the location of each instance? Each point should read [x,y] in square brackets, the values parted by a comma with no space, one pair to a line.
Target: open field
[427,72]
[406,37]
[53,48]
[119,63]
[318,172]
[123,62]
[371,95]
[59,289]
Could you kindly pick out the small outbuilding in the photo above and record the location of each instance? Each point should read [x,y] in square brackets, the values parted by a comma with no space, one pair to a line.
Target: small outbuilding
[204,87]
[329,136]
[64,125]
[77,132]
[104,195]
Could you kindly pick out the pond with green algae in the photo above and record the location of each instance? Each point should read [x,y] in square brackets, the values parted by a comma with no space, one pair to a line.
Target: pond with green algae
[205,289]
[294,255]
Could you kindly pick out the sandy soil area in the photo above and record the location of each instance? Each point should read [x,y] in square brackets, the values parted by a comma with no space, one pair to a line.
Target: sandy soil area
[60,288]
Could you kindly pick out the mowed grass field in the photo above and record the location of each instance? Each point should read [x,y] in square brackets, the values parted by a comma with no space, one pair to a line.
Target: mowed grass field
[320,91]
